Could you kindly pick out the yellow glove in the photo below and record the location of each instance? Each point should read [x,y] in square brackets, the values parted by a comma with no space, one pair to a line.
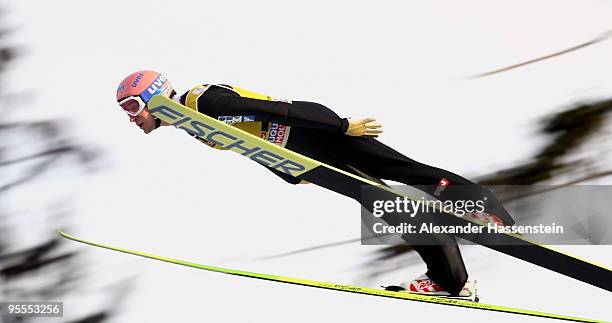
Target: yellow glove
[364,127]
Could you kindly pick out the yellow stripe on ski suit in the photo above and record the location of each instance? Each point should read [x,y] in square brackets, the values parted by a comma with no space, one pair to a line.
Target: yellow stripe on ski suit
[255,128]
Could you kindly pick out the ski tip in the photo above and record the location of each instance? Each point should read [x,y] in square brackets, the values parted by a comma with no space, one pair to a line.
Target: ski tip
[63,234]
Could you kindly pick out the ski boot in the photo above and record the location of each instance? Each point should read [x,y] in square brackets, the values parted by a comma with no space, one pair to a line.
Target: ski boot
[484,217]
[425,286]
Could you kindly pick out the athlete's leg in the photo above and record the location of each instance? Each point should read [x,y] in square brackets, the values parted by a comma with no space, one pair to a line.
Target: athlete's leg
[441,253]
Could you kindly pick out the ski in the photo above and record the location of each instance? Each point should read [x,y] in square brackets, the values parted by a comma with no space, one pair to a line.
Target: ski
[339,287]
[350,185]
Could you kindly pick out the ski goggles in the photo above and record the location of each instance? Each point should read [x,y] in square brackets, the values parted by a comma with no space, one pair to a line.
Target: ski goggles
[132,105]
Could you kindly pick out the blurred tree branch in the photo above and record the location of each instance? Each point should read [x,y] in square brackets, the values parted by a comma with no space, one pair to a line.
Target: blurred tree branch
[22,268]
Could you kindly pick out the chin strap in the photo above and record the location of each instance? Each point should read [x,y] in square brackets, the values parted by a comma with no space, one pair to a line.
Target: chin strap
[157,123]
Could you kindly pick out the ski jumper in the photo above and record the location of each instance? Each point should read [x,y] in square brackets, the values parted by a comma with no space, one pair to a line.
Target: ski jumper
[313,130]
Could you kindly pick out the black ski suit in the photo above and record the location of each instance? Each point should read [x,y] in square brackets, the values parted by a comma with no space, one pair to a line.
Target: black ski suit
[318,132]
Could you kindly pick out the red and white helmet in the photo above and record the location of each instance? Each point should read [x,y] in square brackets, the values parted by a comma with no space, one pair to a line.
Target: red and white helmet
[135,91]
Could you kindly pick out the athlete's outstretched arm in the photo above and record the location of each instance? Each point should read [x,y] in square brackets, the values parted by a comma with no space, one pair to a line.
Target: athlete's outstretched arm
[218,101]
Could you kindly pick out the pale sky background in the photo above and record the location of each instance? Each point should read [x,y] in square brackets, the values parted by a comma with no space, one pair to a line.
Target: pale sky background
[403,62]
